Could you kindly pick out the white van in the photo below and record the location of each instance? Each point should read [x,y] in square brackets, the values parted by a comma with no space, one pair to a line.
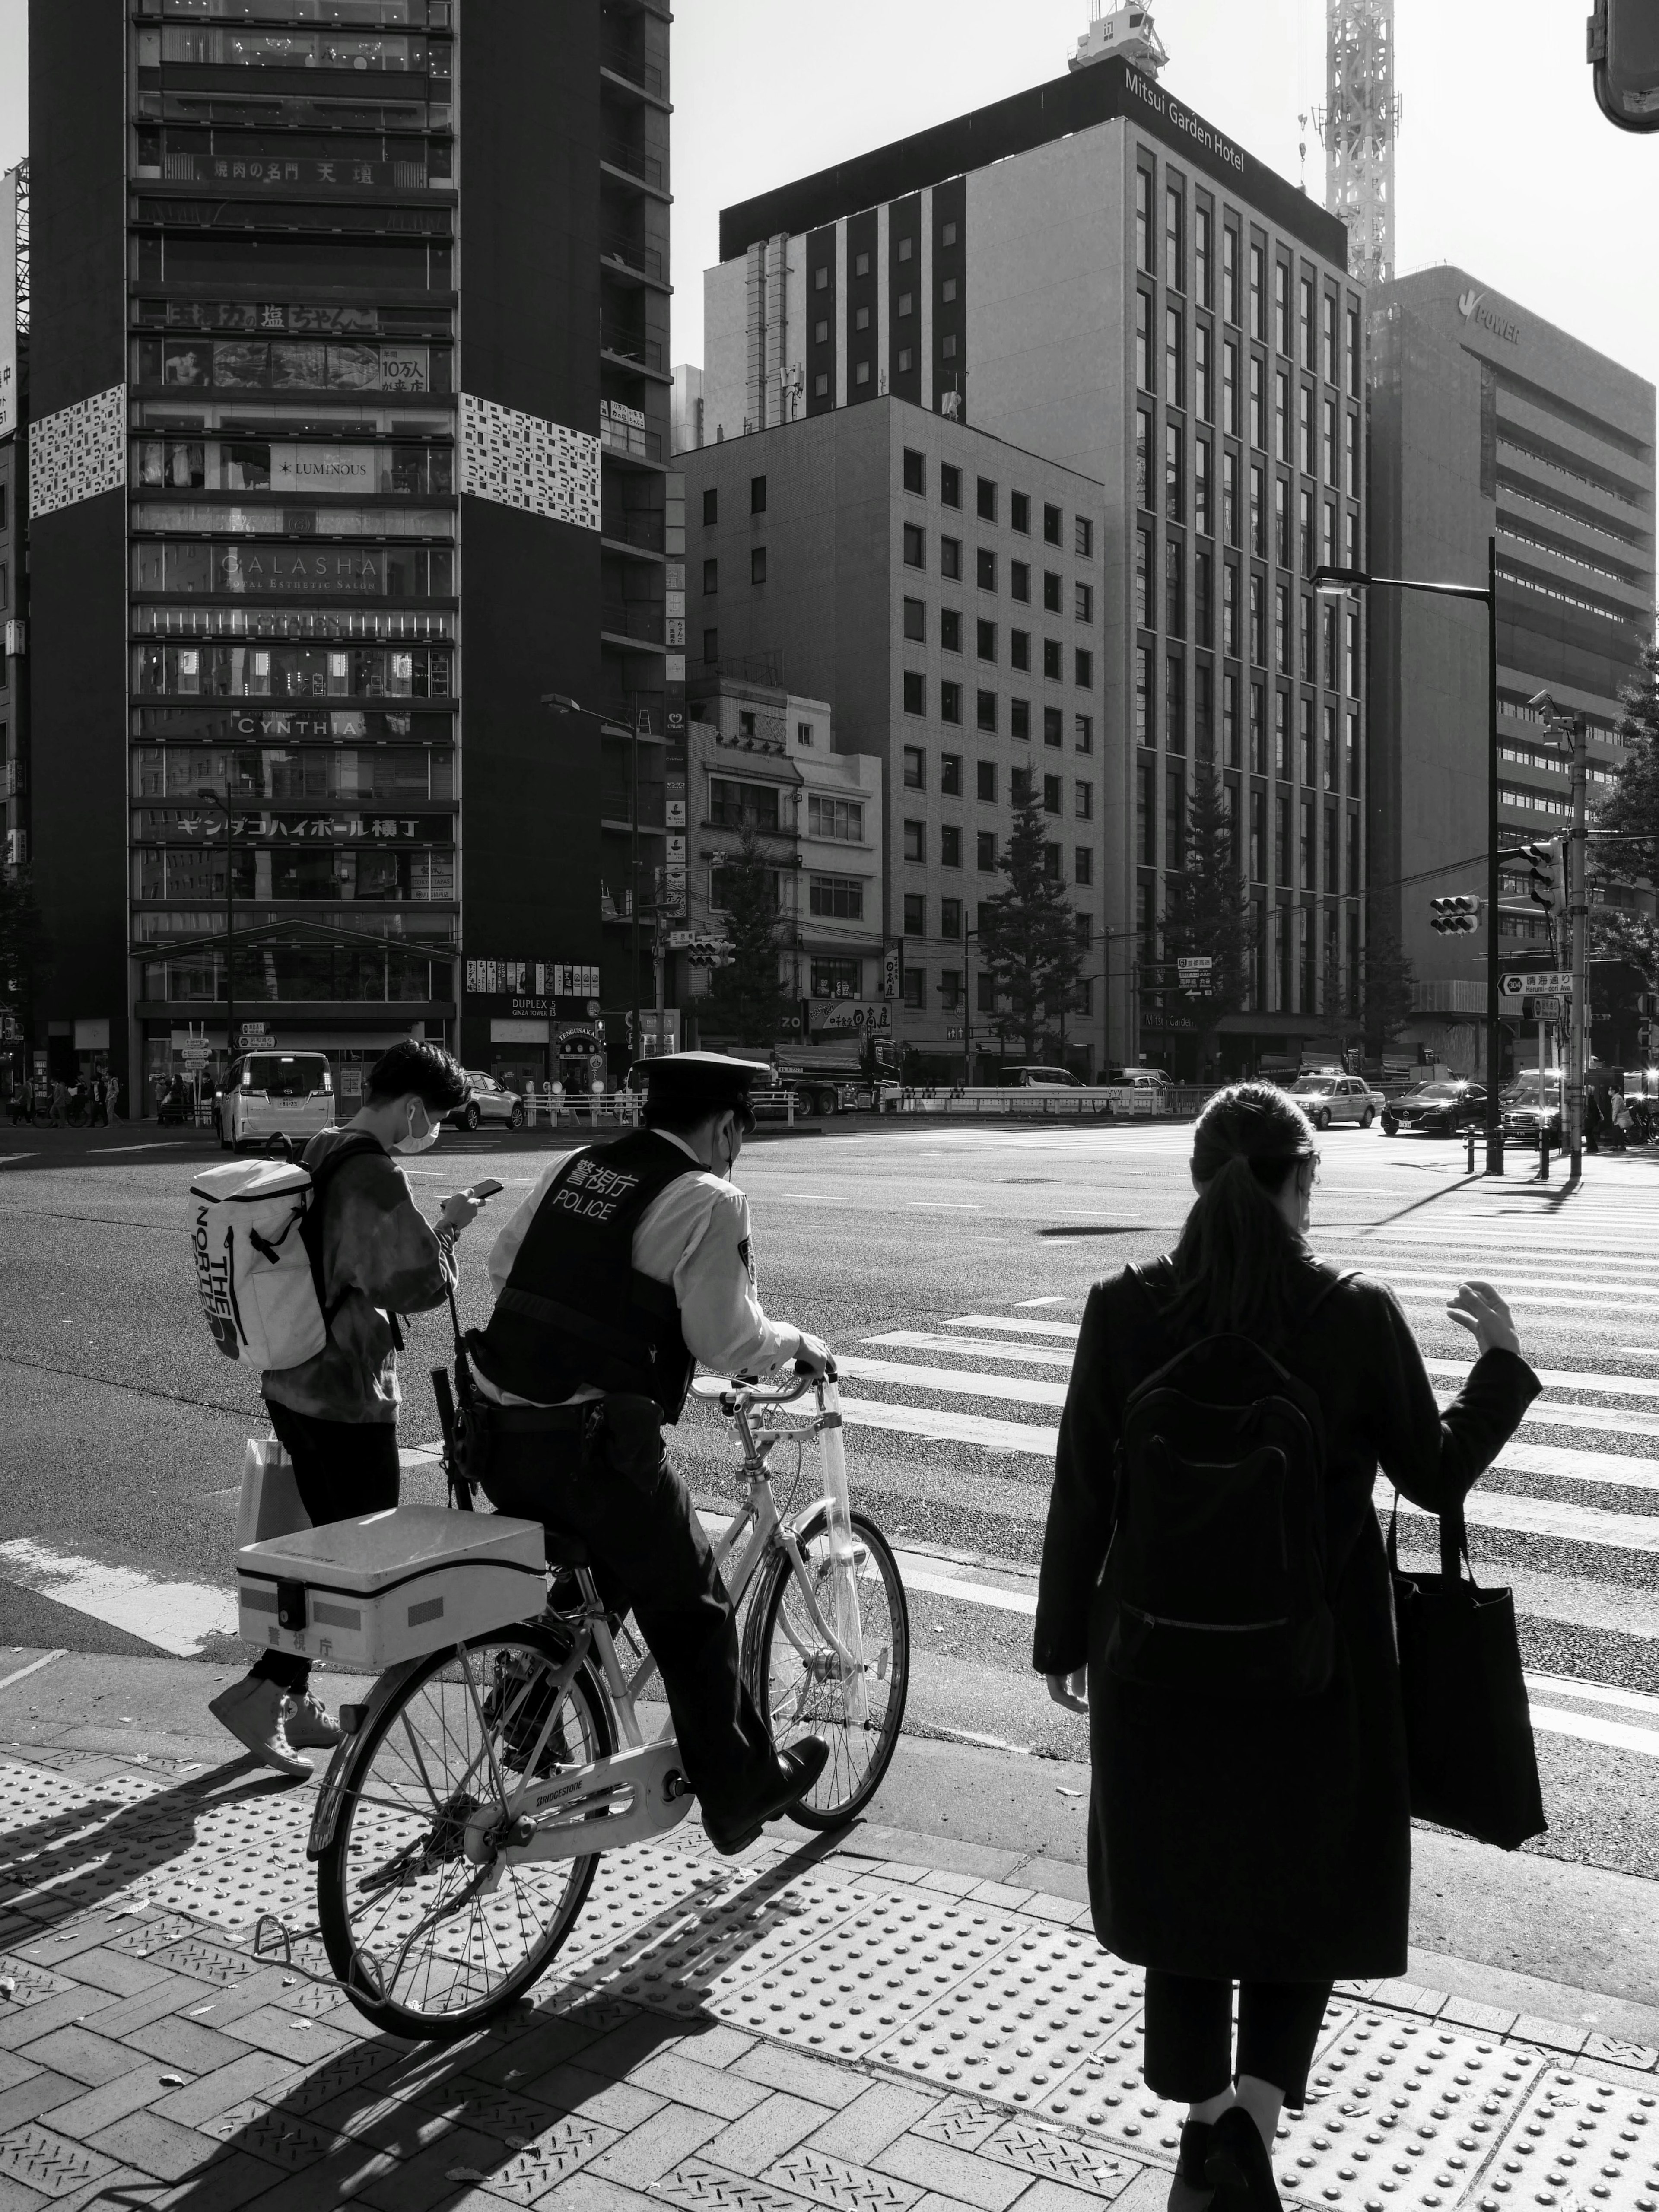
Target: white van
[270,1092]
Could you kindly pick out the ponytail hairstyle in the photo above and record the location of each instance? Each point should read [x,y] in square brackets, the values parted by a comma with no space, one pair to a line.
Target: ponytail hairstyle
[1237,1258]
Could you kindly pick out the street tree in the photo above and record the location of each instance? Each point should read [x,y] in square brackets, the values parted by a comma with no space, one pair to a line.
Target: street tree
[747,1000]
[1385,980]
[1208,910]
[25,956]
[1627,848]
[1028,938]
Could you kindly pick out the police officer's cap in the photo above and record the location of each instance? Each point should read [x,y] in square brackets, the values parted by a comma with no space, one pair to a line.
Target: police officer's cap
[702,1082]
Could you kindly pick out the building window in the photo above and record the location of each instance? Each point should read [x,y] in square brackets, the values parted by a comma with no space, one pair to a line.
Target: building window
[1229,608]
[950,559]
[1173,257]
[1204,707]
[1019,649]
[1230,386]
[916,545]
[1053,527]
[1282,521]
[985,568]
[988,710]
[1143,696]
[1203,393]
[757,564]
[949,990]
[1258,405]
[840,820]
[950,630]
[1143,220]
[1083,725]
[821,278]
[907,246]
[1305,321]
[915,914]
[1174,503]
[1019,720]
[1203,621]
[1083,602]
[1329,642]
[1351,456]
[915,620]
[915,692]
[1282,734]
[949,484]
[915,470]
[803,733]
[1053,794]
[711,647]
[757,494]
[916,841]
[861,265]
[1019,513]
[1144,340]
[1258,624]
[1142,463]
[915,987]
[985,640]
[1229,523]
[986,772]
[1174,702]
[948,347]
[1052,856]
[1281,416]
[861,319]
[1019,581]
[1306,641]
[1230,718]
[1054,660]
[1282,304]
[1350,656]
[1353,353]
[1258,305]
[1229,271]
[949,702]
[837,979]
[915,769]
[1145,616]
[985,991]
[835,898]
[947,291]
[1082,796]
[1051,592]
[1054,727]
[1328,325]
[861,373]
[1174,366]
[985,852]
[1305,502]
[1146,815]
[711,578]
[711,507]
[949,775]
[950,846]
[1282,629]
[1082,868]
[1174,588]
[906,360]
[821,385]
[985,500]
[950,917]
[1305,429]
[1258,730]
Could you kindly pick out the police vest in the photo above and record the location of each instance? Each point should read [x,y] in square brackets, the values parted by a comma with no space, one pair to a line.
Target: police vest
[575,1312]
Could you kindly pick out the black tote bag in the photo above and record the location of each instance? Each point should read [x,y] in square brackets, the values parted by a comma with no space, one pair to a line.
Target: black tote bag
[1468,1731]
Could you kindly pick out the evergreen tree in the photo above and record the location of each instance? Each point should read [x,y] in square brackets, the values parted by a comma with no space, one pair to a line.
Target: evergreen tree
[1625,855]
[746,999]
[1386,976]
[25,962]
[1207,909]
[1028,936]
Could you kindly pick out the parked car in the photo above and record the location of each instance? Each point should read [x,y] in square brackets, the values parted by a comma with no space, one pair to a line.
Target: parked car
[1528,1117]
[269,1094]
[1326,1099]
[1042,1079]
[1438,1109]
[486,1100]
[1139,1079]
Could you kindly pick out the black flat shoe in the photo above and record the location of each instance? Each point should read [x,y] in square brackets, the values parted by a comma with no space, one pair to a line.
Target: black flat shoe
[1190,2191]
[1238,2166]
[791,1775]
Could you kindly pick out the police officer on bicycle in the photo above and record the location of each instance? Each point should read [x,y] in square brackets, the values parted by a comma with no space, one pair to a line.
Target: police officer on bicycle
[626,1266]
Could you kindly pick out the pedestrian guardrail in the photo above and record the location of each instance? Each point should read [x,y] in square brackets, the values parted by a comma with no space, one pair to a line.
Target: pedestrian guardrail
[1094,1102]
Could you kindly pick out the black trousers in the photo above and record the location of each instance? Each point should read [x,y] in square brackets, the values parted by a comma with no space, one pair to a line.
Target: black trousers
[1188,2052]
[650,1554]
[341,1469]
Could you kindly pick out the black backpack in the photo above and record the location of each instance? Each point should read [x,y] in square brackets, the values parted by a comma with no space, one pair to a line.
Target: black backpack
[1215,1576]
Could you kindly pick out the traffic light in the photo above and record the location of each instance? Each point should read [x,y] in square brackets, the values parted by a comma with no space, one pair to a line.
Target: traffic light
[1623,51]
[1544,874]
[1456,915]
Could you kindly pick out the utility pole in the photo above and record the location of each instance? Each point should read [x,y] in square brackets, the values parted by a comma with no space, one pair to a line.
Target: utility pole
[1579,911]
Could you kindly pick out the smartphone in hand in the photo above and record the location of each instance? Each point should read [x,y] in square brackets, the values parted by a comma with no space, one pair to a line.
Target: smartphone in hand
[486,1188]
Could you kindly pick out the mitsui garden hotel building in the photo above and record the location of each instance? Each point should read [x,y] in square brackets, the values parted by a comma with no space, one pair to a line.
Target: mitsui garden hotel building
[258,468]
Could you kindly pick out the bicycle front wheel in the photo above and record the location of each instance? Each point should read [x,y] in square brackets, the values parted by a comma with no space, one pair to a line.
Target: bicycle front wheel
[793,1674]
[427,1941]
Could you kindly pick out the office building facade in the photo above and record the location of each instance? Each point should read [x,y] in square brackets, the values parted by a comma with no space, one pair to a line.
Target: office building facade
[1091,272]
[1486,420]
[349,444]
[942,590]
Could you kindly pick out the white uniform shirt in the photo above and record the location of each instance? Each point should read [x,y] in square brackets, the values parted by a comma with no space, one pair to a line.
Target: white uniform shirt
[695,1235]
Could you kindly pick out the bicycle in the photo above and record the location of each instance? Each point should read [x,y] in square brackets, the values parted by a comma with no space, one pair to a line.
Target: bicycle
[460,1824]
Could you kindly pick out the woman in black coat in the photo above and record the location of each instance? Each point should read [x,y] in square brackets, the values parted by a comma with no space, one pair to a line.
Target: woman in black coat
[1261,1841]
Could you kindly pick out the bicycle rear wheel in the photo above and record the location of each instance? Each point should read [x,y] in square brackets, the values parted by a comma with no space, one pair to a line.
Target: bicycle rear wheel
[792,1671]
[427,1942]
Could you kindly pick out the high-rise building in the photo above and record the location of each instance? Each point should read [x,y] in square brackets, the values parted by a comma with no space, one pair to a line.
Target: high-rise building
[1092,272]
[941,589]
[349,438]
[1485,420]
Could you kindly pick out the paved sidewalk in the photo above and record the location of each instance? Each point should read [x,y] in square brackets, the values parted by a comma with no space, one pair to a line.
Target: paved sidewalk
[807,2029]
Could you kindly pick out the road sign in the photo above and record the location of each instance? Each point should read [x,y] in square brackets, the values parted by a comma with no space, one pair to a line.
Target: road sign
[1545,1008]
[1198,964]
[1547,981]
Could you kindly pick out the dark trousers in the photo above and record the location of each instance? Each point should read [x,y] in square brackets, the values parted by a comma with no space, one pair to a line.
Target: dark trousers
[650,1553]
[341,1469]
[1189,2047]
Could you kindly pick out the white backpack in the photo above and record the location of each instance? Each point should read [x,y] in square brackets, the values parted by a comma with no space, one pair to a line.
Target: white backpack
[256,1272]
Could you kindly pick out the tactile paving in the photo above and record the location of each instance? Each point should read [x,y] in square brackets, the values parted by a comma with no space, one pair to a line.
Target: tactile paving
[1026,2025]
[279,2137]
[701,1966]
[49,2163]
[1579,2141]
[23,1983]
[1034,2148]
[893,1957]
[1402,2112]
[696,2185]
[559,2149]
[841,2187]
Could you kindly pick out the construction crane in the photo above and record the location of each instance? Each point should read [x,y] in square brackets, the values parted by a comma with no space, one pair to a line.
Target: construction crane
[1127,33]
[1358,126]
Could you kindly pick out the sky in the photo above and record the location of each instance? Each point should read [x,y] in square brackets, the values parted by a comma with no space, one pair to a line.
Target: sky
[1505,164]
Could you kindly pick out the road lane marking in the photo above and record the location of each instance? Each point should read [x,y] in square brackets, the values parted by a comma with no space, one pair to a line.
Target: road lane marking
[1040,1302]
[812,1197]
[177,1616]
[33,1668]
[10,1159]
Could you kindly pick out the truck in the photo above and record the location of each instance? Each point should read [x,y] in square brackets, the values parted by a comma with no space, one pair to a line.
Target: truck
[830,1080]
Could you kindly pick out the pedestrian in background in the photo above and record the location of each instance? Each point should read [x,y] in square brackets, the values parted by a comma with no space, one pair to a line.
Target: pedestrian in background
[60,1104]
[1238,1834]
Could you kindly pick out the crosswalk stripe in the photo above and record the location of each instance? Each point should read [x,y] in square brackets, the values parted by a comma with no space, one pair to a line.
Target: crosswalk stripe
[177,1616]
[964,1382]
[1512,1515]
[1589,1728]
[1065,1328]
[1597,1694]
[951,1428]
[1555,1378]
[916,1340]
[1619,1470]
[1615,1420]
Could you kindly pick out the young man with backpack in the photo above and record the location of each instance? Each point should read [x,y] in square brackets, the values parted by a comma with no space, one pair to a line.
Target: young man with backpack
[372,1257]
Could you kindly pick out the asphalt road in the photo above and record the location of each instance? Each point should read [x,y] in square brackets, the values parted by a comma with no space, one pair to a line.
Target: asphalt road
[948,1264]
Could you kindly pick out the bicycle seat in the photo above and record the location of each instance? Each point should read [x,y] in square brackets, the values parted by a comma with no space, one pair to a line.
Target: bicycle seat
[564,1550]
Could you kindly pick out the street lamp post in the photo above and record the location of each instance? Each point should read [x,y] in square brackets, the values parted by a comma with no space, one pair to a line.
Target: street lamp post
[560,703]
[1342,582]
[215,798]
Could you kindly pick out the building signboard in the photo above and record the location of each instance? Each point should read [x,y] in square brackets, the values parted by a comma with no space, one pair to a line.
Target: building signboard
[1549,981]
[324,468]
[531,979]
[7,303]
[838,1017]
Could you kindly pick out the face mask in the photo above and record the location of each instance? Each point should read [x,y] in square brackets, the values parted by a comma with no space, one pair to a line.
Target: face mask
[424,1143]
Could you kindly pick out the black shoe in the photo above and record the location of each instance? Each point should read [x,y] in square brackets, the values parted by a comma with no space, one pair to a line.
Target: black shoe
[787,1779]
[1190,2189]
[1238,2166]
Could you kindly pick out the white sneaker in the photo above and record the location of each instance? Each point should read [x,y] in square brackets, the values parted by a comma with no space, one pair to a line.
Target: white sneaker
[253,1710]
[310,1724]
